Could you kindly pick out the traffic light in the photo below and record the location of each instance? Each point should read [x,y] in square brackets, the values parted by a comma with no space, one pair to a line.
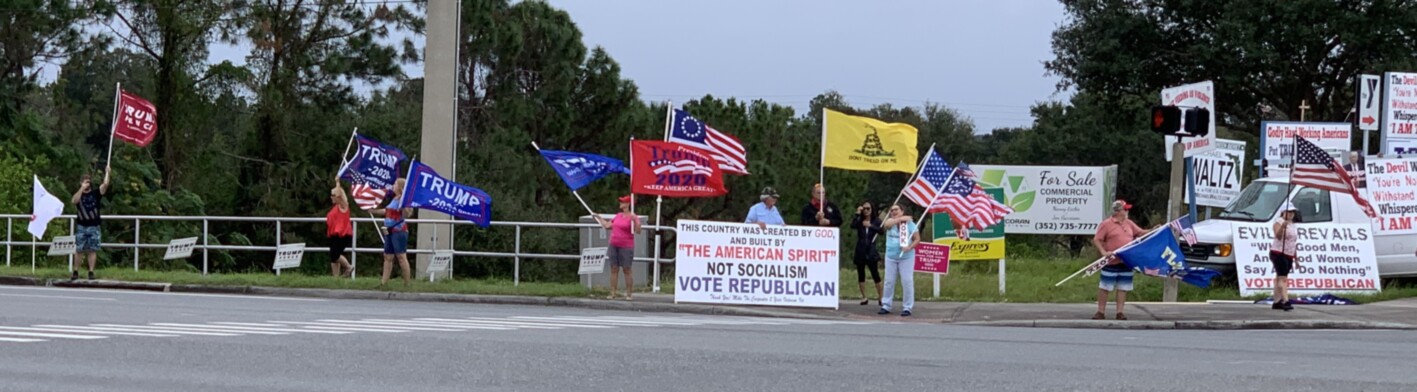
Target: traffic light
[1165,120]
[1197,121]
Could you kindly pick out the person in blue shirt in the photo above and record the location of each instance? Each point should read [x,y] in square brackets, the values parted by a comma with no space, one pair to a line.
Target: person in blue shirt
[901,239]
[766,212]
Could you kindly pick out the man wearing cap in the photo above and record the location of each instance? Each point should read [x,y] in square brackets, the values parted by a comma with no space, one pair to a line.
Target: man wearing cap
[1113,233]
[820,212]
[766,212]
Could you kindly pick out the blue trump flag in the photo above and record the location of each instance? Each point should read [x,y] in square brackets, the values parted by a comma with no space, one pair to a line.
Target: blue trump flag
[374,163]
[427,190]
[1158,254]
[580,169]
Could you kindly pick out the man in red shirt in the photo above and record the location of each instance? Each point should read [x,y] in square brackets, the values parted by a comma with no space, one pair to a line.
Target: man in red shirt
[1113,233]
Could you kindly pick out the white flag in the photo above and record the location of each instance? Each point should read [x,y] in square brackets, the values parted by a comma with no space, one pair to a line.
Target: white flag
[46,208]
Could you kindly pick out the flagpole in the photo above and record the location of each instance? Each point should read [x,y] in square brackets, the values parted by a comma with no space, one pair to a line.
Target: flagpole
[1129,245]
[659,199]
[344,158]
[822,164]
[117,96]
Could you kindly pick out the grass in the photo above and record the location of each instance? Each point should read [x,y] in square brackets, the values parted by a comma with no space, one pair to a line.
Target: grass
[1029,280]
[295,280]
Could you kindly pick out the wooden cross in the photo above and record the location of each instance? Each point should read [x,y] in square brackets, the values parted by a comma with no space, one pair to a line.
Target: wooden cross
[1303,109]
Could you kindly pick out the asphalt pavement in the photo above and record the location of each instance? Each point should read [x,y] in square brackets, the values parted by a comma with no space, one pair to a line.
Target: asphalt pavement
[56,339]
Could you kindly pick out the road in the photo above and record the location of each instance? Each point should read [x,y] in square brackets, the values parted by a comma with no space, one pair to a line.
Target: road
[90,340]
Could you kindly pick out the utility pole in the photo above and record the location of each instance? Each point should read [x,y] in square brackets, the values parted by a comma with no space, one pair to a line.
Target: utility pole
[1176,206]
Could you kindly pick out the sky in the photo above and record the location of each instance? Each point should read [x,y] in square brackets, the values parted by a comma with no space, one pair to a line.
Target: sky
[981,57]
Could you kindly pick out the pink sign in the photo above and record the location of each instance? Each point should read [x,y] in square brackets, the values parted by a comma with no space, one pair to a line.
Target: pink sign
[934,258]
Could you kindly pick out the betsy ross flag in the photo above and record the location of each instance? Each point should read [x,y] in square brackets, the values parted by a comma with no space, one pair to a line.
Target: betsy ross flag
[1315,169]
[1185,227]
[366,196]
[930,181]
[967,202]
[730,154]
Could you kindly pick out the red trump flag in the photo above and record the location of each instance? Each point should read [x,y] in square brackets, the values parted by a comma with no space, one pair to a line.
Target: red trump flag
[674,170]
[135,120]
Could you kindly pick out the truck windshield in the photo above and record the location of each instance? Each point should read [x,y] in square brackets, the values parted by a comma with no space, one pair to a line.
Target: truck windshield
[1257,202]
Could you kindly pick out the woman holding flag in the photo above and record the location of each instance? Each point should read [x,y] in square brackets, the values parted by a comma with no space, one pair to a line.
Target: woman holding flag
[901,238]
[1283,254]
[339,229]
[395,233]
[623,227]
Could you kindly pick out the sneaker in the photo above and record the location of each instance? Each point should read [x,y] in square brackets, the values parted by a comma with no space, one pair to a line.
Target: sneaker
[75,276]
[884,311]
[1277,305]
[1099,316]
[90,275]
[905,313]
[1121,316]
[1288,306]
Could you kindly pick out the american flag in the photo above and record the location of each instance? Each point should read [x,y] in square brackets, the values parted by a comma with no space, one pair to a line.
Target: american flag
[1185,227]
[1314,168]
[931,179]
[368,197]
[967,202]
[730,154]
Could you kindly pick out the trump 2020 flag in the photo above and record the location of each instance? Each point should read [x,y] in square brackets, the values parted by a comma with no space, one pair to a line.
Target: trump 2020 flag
[1160,256]
[374,163]
[46,208]
[580,169]
[674,170]
[427,190]
[137,119]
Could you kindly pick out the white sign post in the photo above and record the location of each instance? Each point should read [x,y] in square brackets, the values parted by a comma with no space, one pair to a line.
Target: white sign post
[180,248]
[1399,111]
[1052,199]
[288,256]
[1196,95]
[439,263]
[1333,258]
[63,246]
[736,263]
[1217,177]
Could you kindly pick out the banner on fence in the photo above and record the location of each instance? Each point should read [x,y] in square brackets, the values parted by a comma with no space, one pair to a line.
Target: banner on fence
[180,248]
[63,246]
[932,258]
[1051,199]
[288,256]
[592,261]
[736,263]
[1333,258]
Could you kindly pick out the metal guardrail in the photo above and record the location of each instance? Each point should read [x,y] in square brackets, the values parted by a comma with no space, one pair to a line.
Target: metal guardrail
[516,254]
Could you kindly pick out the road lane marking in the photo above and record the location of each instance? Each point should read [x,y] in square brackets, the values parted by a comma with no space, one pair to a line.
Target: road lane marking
[591,320]
[61,328]
[225,328]
[51,335]
[505,321]
[184,331]
[21,340]
[58,297]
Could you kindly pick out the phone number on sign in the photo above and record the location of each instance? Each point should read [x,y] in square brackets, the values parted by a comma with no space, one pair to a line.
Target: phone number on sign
[1063,226]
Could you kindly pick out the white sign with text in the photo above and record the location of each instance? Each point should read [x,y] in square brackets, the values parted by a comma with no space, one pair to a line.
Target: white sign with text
[180,248]
[289,255]
[1332,258]
[63,246]
[736,263]
[592,261]
[1216,175]
[1195,95]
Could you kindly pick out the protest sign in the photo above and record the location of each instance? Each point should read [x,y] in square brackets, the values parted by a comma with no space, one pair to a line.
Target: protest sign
[180,248]
[1051,199]
[1392,188]
[932,258]
[1332,258]
[592,261]
[1278,138]
[735,263]
[1217,174]
[63,246]
[288,256]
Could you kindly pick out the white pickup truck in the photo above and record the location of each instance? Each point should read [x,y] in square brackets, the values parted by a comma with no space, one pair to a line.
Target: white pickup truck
[1260,202]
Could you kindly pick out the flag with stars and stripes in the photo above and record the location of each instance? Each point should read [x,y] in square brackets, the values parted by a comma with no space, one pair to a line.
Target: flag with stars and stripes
[930,181]
[1314,168]
[967,202]
[730,154]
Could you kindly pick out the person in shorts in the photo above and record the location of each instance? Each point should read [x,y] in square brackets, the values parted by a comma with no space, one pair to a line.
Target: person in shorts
[339,231]
[621,252]
[87,233]
[1283,254]
[1113,233]
[395,233]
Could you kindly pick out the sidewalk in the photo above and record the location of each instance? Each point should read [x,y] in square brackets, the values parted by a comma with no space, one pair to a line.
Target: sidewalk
[1396,314]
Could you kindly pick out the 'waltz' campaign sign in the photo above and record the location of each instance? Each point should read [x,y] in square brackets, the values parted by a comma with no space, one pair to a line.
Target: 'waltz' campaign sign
[735,263]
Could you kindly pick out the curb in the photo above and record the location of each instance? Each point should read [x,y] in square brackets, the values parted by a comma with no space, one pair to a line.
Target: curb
[1195,325]
[656,307]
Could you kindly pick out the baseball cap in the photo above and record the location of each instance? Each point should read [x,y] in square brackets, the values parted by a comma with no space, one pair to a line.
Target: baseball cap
[1120,205]
[625,198]
[769,192]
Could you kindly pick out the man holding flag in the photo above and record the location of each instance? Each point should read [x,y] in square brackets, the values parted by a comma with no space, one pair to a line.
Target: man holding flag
[87,234]
[1113,233]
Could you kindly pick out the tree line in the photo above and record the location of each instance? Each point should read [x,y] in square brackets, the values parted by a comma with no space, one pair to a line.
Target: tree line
[263,138]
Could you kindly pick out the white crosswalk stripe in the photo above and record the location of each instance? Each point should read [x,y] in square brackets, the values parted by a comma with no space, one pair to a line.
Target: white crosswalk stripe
[275,328]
